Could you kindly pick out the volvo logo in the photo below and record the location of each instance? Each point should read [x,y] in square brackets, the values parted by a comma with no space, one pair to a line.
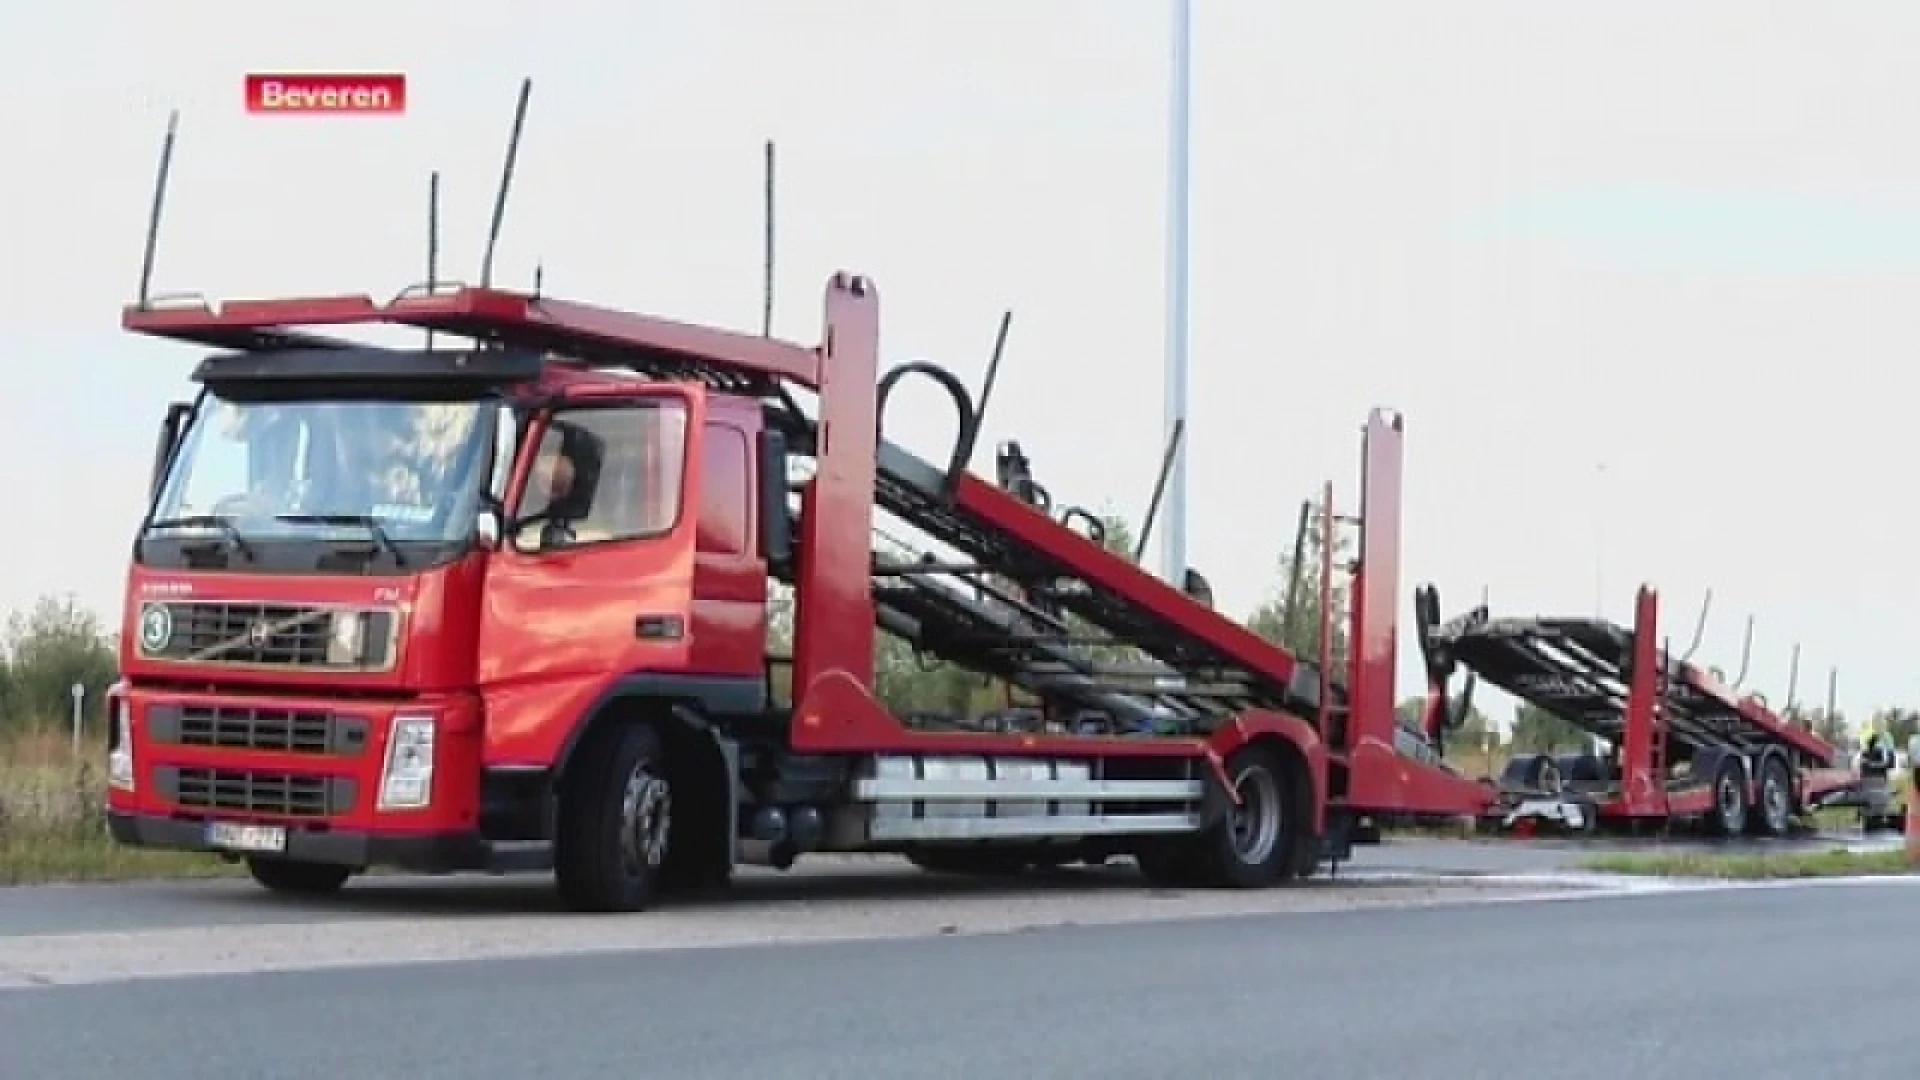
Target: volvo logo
[259,633]
[156,627]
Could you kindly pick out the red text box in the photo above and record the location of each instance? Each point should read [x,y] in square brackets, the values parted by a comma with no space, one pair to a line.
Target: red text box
[326,95]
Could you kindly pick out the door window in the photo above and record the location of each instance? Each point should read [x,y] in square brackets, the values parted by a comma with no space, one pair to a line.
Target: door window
[604,474]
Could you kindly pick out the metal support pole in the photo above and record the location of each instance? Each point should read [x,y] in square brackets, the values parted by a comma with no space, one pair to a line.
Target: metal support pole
[1600,540]
[79,692]
[1174,546]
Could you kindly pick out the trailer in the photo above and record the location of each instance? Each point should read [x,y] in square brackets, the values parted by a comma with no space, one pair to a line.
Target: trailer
[1677,744]
[502,603]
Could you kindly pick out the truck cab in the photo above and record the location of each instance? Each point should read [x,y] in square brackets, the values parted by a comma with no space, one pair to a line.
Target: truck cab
[378,595]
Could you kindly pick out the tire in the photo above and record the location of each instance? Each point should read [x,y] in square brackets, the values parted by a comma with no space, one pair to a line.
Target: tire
[296,878]
[616,821]
[699,857]
[1536,775]
[1589,818]
[1256,845]
[1729,814]
[1775,801]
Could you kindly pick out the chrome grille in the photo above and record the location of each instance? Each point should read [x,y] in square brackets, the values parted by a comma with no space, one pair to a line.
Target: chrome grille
[276,793]
[260,634]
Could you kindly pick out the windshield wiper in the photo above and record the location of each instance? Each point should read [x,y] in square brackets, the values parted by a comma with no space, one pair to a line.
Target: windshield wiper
[365,521]
[235,539]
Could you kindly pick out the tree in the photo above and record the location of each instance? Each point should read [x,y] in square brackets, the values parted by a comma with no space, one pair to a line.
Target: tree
[1831,727]
[50,648]
[1537,731]
[1898,725]
[1298,630]
[1470,737]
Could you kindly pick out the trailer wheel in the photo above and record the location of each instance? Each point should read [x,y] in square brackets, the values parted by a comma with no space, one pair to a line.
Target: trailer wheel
[616,814]
[1729,814]
[1776,798]
[1254,846]
[298,878]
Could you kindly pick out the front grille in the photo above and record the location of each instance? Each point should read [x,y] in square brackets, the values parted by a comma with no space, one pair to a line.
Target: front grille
[277,635]
[299,731]
[276,793]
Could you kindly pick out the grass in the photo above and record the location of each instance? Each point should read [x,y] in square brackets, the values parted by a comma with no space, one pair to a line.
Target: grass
[1833,862]
[53,825]
[53,829]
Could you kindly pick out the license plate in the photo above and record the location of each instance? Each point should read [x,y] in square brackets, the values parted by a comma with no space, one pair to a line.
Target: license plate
[232,837]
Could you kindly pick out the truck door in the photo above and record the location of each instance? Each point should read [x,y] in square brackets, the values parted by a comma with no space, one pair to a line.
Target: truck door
[730,576]
[593,580]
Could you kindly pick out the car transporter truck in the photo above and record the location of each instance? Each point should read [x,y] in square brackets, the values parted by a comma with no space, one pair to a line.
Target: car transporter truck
[502,602]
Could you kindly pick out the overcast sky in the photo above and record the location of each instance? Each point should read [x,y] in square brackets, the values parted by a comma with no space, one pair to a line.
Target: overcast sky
[1641,276]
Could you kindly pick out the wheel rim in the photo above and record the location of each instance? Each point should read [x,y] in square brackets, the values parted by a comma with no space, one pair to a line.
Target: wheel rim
[1775,795]
[1729,799]
[646,815]
[1255,823]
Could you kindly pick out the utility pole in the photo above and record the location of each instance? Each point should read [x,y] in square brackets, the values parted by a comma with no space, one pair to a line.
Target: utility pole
[1174,546]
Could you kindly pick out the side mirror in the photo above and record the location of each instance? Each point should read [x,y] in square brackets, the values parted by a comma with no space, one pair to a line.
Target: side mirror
[171,428]
[524,536]
[489,528]
[776,529]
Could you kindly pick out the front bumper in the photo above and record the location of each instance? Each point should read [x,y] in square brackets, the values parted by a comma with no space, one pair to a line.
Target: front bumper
[313,764]
[430,852]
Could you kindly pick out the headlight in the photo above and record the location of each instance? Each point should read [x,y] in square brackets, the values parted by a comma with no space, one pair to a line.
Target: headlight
[120,748]
[406,780]
[346,639]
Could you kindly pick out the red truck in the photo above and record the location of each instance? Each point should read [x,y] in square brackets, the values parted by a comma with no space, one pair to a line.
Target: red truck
[503,603]
[1680,745]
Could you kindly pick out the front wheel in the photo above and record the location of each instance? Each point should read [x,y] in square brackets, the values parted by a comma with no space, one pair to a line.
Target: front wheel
[297,878]
[616,815]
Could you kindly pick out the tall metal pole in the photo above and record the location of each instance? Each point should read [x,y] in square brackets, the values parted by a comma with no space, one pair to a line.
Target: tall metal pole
[1174,511]
[1600,540]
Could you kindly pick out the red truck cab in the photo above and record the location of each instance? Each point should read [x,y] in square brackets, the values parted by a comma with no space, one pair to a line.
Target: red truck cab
[377,593]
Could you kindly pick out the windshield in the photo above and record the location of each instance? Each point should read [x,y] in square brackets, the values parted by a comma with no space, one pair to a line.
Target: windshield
[280,470]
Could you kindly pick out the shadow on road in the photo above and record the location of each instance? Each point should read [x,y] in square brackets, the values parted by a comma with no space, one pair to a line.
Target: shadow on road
[874,881]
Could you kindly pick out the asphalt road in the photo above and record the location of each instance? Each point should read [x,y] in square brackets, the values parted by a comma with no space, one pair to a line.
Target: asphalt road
[169,905]
[1743,983]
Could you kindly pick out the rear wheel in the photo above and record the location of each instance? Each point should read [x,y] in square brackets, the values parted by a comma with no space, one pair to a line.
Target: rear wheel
[298,878]
[1256,844]
[1776,798]
[1729,814]
[616,815]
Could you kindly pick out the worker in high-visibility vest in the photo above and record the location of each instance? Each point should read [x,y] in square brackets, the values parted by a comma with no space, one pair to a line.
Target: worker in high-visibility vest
[1877,760]
[1876,788]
